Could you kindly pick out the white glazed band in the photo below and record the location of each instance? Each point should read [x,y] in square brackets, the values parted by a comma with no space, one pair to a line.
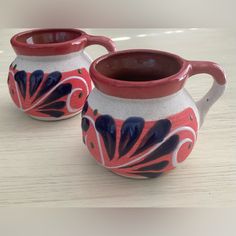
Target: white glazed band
[149,109]
[48,64]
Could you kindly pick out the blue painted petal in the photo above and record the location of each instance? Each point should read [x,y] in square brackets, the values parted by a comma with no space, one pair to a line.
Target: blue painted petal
[155,135]
[20,78]
[130,132]
[61,91]
[55,105]
[165,148]
[53,113]
[35,80]
[105,125]
[85,108]
[154,167]
[52,80]
[85,124]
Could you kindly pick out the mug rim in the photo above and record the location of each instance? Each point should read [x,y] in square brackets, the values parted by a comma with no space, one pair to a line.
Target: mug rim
[175,81]
[48,49]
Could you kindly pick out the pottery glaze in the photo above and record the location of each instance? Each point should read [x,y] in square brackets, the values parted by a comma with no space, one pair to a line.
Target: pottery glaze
[49,79]
[139,121]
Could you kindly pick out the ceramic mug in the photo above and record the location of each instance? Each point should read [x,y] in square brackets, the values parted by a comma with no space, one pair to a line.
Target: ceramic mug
[139,121]
[49,78]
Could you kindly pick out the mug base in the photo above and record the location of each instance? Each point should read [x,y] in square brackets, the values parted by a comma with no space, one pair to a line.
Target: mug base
[53,118]
[136,177]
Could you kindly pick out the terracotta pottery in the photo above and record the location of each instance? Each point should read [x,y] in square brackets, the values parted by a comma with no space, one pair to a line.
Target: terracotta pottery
[49,78]
[139,121]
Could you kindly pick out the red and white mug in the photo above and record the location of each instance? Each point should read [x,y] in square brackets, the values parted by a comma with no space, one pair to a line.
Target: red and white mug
[49,78]
[139,121]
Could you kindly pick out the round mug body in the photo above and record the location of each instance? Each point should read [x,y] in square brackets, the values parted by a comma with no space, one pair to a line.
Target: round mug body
[140,138]
[139,121]
[52,87]
[49,79]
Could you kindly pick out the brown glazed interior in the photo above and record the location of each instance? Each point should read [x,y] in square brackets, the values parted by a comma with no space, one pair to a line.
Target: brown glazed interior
[48,36]
[139,66]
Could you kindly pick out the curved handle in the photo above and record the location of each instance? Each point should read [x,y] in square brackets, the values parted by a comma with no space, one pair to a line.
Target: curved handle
[217,89]
[101,40]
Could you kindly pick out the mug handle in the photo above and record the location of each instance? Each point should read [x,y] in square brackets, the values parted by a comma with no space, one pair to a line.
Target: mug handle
[100,40]
[218,86]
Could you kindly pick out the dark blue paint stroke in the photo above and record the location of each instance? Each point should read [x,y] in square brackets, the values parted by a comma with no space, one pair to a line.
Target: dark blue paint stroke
[155,135]
[61,91]
[106,127]
[55,105]
[52,80]
[20,78]
[130,132]
[35,80]
[53,113]
[85,124]
[167,147]
[154,167]
[85,108]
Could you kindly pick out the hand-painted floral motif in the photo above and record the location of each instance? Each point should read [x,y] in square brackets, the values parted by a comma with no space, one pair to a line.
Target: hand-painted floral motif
[52,95]
[137,148]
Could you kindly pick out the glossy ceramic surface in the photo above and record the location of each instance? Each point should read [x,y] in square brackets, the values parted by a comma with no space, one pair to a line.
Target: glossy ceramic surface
[49,78]
[139,121]
[65,173]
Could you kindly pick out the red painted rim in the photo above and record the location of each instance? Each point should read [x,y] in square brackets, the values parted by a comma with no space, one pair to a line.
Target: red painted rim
[77,42]
[140,89]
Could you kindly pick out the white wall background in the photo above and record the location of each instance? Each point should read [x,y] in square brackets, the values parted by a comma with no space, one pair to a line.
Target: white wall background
[117,13]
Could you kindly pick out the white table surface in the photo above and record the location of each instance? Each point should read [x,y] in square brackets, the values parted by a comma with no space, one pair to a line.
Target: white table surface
[46,164]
